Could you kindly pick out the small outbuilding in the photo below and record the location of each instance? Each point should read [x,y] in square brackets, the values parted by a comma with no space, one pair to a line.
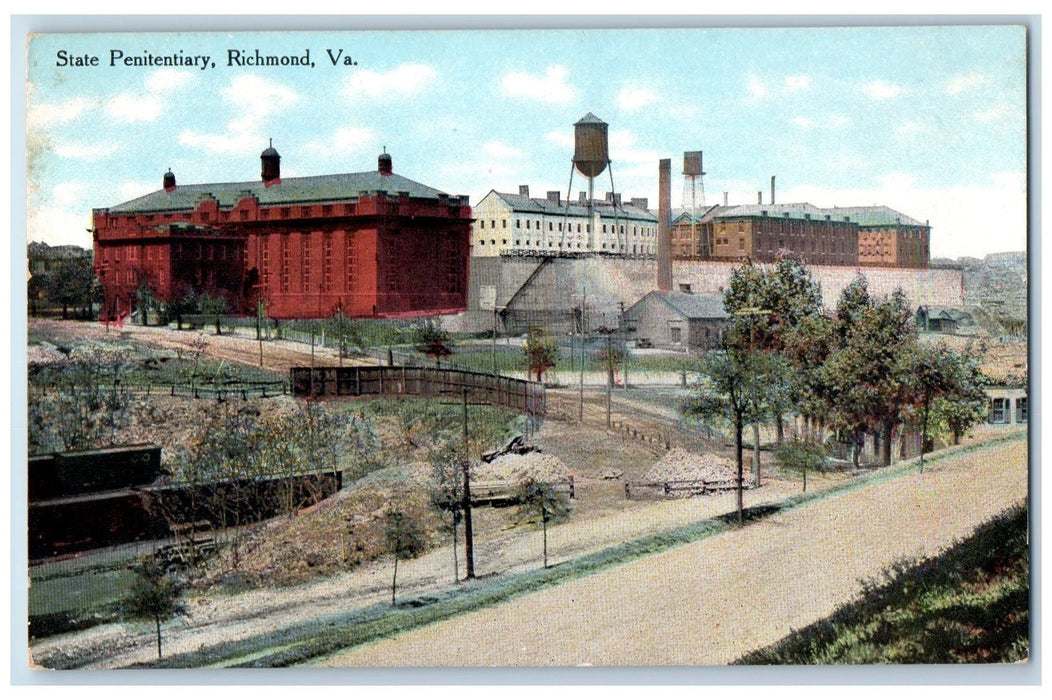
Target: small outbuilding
[943,319]
[676,320]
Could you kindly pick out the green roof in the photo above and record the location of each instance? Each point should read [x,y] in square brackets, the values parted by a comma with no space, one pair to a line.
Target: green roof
[290,190]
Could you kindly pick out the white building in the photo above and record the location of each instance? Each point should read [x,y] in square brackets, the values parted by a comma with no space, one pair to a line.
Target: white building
[516,224]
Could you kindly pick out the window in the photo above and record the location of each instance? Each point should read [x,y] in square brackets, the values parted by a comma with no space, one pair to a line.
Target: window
[527,224]
[999,411]
[482,224]
[1021,410]
[518,223]
[676,334]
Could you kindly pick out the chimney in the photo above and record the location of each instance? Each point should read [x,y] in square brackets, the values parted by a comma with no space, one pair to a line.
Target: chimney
[384,164]
[772,189]
[640,202]
[553,197]
[759,196]
[524,191]
[664,242]
[725,200]
[582,198]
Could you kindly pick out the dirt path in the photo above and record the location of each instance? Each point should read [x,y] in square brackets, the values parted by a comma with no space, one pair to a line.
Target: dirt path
[708,603]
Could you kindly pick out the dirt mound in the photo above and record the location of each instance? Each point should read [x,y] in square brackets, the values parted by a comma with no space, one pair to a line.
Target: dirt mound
[680,465]
[519,468]
[335,535]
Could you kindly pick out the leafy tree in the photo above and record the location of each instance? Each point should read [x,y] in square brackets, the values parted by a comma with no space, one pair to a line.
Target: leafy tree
[869,385]
[433,341]
[72,283]
[767,306]
[540,500]
[153,595]
[215,307]
[405,538]
[734,388]
[801,456]
[946,384]
[541,352]
[145,300]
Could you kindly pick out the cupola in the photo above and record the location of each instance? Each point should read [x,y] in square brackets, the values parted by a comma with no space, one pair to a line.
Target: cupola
[271,163]
[169,181]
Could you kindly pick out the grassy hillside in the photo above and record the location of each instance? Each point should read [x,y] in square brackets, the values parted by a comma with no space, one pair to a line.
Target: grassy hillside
[971,604]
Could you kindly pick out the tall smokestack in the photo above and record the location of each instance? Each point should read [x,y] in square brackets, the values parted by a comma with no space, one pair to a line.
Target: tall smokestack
[759,196]
[772,189]
[725,198]
[664,242]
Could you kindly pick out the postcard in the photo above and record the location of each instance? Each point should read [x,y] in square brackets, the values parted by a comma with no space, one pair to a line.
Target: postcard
[507,348]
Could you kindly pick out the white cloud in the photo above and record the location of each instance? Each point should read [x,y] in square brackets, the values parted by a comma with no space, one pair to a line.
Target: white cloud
[756,87]
[497,149]
[552,87]
[995,113]
[353,137]
[561,138]
[43,114]
[633,98]
[235,141]
[960,83]
[908,128]
[133,190]
[167,80]
[128,108]
[258,97]
[252,98]
[797,82]
[630,160]
[882,90]
[803,122]
[66,193]
[58,226]
[84,151]
[950,211]
[406,79]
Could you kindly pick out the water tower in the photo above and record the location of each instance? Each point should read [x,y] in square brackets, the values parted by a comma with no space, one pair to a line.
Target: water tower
[591,157]
[692,183]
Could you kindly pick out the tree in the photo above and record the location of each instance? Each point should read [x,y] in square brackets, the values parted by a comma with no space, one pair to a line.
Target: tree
[72,283]
[145,300]
[405,538]
[446,490]
[869,385]
[768,305]
[541,500]
[433,341]
[943,383]
[733,388]
[215,307]
[153,595]
[541,353]
[801,456]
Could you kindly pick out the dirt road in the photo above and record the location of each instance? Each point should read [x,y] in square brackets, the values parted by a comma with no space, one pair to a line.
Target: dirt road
[709,602]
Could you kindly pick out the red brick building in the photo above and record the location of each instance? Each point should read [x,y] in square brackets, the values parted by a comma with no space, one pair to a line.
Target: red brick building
[369,244]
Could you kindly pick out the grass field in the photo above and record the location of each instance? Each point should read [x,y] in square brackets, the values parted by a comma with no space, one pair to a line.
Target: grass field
[969,605]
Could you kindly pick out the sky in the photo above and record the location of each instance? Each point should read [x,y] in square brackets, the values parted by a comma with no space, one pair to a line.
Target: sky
[928,120]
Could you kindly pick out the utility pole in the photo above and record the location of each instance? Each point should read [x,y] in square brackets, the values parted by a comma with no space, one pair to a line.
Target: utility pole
[609,376]
[584,335]
[621,327]
[469,540]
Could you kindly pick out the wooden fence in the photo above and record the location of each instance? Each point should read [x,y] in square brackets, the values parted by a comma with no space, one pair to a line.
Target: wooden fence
[453,384]
[677,489]
[506,492]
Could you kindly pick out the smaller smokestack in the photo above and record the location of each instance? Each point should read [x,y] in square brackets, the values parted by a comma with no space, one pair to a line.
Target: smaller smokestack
[725,200]
[772,189]
[759,196]
[524,191]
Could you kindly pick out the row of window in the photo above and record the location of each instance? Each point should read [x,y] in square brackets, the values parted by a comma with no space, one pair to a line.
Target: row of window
[553,226]
[1001,410]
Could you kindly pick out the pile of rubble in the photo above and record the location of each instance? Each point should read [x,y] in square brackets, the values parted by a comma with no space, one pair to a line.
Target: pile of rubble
[680,465]
[522,467]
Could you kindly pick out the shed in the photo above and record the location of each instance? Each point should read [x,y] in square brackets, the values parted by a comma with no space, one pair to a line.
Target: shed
[677,320]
